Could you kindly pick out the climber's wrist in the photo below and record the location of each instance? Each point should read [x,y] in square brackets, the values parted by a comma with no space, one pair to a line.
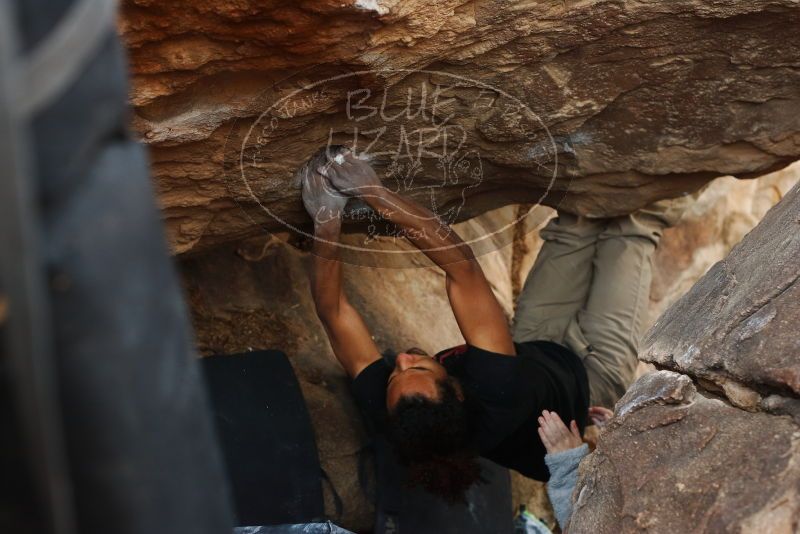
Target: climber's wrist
[328,229]
[377,196]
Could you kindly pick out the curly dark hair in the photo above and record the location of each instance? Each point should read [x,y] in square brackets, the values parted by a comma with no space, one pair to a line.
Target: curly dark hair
[431,439]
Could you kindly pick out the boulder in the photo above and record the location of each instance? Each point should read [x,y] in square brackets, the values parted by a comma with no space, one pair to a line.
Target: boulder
[597,107]
[738,323]
[712,442]
[675,460]
[725,211]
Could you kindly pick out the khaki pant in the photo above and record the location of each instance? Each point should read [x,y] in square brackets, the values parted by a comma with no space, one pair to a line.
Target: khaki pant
[589,290]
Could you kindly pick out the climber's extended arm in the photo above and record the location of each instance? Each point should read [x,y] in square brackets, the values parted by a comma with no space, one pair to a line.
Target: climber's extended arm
[478,313]
[348,335]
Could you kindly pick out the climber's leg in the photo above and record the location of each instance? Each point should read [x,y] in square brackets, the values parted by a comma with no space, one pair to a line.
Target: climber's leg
[558,284]
[615,312]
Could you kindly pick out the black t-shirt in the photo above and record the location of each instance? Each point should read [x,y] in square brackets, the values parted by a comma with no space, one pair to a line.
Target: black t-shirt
[504,394]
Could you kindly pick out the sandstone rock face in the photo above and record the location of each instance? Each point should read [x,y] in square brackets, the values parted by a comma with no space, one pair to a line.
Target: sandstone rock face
[739,322]
[723,214]
[465,104]
[675,460]
[725,211]
[714,447]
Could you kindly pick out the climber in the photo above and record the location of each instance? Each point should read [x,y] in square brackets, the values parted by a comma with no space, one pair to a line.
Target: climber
[574,341]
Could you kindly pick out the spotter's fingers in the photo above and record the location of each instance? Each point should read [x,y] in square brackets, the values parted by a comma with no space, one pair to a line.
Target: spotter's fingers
[545,439]
[573,427]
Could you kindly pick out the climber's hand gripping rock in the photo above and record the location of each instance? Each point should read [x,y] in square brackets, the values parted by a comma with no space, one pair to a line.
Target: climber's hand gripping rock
[351,175]
[321,200]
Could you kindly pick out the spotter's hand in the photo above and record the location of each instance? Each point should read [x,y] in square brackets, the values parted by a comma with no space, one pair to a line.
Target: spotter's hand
[555,435]
[322,202]
[599,415]
[351,175]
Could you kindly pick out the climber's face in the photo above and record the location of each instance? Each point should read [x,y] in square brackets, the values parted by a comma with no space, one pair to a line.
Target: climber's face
[415,373]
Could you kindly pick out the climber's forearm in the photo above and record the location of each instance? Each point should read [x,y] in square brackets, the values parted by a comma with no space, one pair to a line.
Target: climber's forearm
[326,269]
[478,313]
[436,239]
[347,332]
[424,230]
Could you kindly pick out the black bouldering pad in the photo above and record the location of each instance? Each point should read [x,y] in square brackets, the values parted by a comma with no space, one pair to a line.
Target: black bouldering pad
[267,438]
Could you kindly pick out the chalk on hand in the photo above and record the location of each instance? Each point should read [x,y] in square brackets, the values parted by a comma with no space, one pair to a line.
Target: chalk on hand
[339,158]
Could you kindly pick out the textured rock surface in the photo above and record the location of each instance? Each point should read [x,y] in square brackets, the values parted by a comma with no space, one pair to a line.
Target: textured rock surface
[739,322]
[677,461]
[622,102]
[724,213]
[716,446]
